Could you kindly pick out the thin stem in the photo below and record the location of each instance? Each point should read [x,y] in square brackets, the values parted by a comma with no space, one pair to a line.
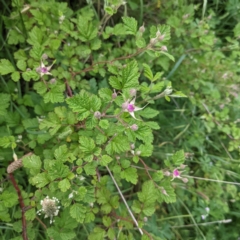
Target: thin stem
[212,180]
[204,224]
[125,202]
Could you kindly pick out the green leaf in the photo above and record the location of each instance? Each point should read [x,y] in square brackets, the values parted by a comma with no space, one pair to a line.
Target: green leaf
[115,83]
[28,75]
[87,145]
[40,180]
[8,199]
[15,76]
[6,67]
[87,30]
[90,168]
[130,24]
[105,94]
[168,55]
[149,113]
[104,124]
[146,150]
[149,193]
[118,144]
[170,195]
[140,42]
[32,162]
[97,234]
[152,125]
[55,94]
[178,158]
[36,52]
[148,72]
[21,64]
[35,36]
[30,214]
[64,185]
[84,103]
[130,175]
[5,100]
[78,211]
[105,160]
[130,75]
[7,141]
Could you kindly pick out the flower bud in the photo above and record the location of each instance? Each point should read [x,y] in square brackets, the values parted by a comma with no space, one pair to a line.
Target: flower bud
[145,219]
[138,153]
[164,49]
[153,41]
[158,33]
[185,16]
[15,157]
[53,81]
[161,37]
[97,115]
[167,91]
[132,146]
[44,56]
[167,173]
[142,29]
[182,166]
[164,192]
[133,92]
[134,127]
[185,180]
[125,105]
[114,95]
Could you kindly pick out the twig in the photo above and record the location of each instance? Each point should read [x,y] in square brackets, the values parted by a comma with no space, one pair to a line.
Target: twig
[20,199]
[125,202]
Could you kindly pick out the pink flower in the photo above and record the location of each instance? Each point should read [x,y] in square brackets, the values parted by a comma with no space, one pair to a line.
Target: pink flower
[43,70]
[131,108]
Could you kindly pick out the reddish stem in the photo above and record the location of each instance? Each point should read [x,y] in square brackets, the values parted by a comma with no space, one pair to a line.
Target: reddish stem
[20,199]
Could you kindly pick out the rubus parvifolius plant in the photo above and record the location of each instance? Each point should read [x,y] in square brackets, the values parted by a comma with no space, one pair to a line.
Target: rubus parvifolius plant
[76,103]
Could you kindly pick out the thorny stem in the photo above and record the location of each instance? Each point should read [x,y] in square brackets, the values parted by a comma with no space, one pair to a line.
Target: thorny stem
[20,199]
[125,202]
